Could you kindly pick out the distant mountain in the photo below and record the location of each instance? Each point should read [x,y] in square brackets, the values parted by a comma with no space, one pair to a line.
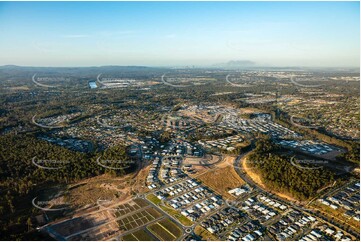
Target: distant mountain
[250,65]
[113,69]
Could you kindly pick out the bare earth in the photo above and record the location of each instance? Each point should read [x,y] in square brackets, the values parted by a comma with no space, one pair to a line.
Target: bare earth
[99,187]
[222,178]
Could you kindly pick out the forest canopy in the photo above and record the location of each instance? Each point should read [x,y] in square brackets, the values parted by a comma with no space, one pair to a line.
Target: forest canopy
[278,173]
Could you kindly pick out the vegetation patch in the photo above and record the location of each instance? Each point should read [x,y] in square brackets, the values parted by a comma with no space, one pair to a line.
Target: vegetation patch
[153,198]
[162,232]
[139,235]
[171,227]
[177,215]
[154,213]
[129,237]
[278,174]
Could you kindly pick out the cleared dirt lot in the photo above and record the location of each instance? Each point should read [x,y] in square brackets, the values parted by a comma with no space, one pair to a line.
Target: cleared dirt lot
[222,179]
[78,228]
[101,187]
[137,219]
[106,222]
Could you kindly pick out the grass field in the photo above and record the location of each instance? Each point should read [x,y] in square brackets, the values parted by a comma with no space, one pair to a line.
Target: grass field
[165,230]
[171,227]
[129,237]
[222,180]
[177,215]
[139,235]
[153,212]
[153,198]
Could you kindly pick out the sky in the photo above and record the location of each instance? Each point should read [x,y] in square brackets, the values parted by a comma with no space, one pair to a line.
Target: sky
[313,34]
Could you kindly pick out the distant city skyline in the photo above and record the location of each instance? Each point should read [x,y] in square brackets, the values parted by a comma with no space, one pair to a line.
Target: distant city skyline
[308,34]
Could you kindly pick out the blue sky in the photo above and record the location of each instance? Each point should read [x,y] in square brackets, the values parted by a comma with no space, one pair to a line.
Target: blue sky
[316,34]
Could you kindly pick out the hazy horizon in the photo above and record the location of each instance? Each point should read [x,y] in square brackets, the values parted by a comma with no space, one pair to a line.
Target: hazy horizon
[187,66]
[168,34]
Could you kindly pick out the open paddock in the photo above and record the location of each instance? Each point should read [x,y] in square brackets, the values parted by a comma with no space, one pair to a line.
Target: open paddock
[165,230]
[139,235]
